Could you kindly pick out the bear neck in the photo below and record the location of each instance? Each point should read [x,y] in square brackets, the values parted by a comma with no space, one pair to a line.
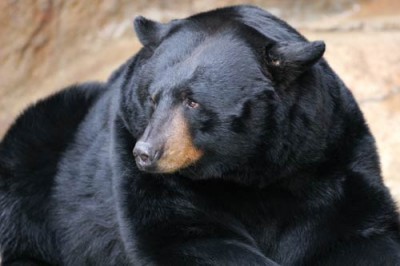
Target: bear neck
[323,136]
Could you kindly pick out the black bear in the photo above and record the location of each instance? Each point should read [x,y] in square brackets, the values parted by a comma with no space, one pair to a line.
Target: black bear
[226,140]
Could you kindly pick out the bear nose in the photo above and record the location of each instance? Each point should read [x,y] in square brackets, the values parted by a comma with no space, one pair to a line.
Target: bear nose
[145,155]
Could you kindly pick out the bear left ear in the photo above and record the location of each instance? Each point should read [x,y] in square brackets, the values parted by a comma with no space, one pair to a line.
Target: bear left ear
[149,32]
[288,61]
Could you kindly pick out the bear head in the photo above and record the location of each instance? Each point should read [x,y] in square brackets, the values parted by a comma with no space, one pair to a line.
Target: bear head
[201,95]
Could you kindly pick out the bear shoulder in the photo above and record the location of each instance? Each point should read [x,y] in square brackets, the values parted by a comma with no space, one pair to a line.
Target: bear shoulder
[42,132]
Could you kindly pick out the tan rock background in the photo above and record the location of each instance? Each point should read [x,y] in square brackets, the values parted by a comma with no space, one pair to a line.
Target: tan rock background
[48,44]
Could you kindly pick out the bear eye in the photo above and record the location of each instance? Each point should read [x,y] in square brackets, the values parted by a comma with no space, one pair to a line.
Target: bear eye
[191,103]
[152,101]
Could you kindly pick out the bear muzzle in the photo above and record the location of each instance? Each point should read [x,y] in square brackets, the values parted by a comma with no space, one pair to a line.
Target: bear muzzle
[166,148]
[146,156]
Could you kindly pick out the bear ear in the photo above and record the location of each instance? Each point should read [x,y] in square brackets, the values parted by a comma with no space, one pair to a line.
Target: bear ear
[149,32]
[288,61]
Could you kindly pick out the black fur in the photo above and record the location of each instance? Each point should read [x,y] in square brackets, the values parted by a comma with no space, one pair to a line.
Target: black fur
[289,173]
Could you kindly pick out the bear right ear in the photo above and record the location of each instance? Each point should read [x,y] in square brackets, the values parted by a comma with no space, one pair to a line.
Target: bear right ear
[288,61]
[149,32]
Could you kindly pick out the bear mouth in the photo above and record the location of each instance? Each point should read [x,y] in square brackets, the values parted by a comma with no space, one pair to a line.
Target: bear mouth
[170,160]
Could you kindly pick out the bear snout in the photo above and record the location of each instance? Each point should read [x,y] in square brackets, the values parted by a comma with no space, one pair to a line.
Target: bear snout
[146,155]
[166,145]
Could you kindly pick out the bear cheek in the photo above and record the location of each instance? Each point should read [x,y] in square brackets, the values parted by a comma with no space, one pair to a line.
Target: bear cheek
[179,150]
